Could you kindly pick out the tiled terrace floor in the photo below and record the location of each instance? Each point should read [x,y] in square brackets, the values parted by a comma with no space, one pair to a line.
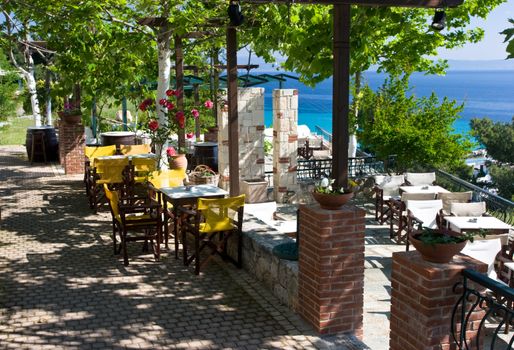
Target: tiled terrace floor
[61,286]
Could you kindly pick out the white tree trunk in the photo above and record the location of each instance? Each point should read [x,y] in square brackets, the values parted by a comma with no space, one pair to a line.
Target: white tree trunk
[163,82]
[352,146]
[31,84]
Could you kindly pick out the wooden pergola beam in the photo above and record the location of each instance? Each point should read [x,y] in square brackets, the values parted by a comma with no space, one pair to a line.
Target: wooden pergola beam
[381,3]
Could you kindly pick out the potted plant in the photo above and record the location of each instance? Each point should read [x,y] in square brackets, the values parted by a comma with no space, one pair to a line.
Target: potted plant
[71,113]
[440,245]
[331,197]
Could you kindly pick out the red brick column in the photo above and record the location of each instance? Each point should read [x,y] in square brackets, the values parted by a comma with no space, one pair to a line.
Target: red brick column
[422,301]
[71,147]
[331,269]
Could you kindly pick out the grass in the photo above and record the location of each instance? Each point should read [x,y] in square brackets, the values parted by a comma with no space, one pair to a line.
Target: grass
[15,132]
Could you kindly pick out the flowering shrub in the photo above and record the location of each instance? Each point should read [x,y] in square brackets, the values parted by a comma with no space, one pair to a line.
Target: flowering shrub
[69,109]
[176,119]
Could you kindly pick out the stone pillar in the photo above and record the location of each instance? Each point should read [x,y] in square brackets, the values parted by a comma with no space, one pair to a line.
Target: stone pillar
[422,301]
[285,142]
[331,269]
[251,136]
[71,147]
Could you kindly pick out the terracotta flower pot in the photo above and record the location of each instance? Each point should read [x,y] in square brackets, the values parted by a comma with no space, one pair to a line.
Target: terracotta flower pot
[332,201]
[439,252]
[71,119]
[178,161]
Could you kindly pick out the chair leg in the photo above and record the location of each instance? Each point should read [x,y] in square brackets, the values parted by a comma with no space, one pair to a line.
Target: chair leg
[124,244]
[197,253]
[114,236]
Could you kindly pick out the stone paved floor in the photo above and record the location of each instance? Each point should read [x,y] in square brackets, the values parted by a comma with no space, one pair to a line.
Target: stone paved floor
[61,287]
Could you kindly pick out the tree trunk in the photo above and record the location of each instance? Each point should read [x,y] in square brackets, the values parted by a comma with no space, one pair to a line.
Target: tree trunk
[31,84]
[163,82]
[352,146]
[48,82]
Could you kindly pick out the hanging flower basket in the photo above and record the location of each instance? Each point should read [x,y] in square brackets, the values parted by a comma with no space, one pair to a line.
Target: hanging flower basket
[202,174]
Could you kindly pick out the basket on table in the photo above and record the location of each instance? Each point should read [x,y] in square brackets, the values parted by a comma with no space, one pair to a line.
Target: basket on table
[203,174]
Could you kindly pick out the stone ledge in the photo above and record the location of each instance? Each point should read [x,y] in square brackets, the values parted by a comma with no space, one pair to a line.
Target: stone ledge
[277,275]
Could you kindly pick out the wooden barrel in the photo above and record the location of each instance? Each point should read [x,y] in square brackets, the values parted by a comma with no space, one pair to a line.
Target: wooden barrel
[118,138]
[51,143]
[207,153]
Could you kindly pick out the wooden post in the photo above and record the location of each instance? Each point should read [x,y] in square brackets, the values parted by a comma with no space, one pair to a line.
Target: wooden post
[233,123]
[196,94]
[179,76]
[340,102]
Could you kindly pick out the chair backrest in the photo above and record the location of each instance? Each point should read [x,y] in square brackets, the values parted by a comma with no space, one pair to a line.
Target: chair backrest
[390,184]
[111,170]
[408,196]
[454,197]
[484,250]
[144,165]
[113,198]
[92,152]
[425,210]
[420,179]
[468,209]
[134,149]
[220,213]
[167,178]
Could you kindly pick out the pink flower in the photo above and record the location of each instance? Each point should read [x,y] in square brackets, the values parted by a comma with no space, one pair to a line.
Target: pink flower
[153,125]
[170,92]
[170,105]
[163,101]
[190,135]
[195,113]
[208,104]
[142,106]
[170,151]
[179,116]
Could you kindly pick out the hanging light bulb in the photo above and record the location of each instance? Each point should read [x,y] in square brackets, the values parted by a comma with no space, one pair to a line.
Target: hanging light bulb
[439,21]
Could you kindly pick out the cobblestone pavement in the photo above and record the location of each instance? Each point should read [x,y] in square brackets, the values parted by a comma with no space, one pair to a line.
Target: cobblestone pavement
[61,287]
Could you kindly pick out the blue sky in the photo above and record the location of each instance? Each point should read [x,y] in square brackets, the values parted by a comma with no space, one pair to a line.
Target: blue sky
[491,47]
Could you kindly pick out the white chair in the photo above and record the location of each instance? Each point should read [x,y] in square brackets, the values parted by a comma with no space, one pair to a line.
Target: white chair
[453,197]
[468,209]
[419,179]
[485,250]
[421,213]
[387,187]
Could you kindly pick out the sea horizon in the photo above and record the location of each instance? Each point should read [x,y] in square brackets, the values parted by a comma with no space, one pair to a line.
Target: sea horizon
[485,93]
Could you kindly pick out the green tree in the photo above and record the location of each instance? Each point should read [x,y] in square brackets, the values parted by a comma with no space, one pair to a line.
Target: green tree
[418,130]
[509,37]
[8,87]
[503,178]
[497,138]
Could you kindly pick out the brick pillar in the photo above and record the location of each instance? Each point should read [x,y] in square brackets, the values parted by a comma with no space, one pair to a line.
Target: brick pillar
[71,147]
[251,136]
[422,301]
[285,142]
[331,269]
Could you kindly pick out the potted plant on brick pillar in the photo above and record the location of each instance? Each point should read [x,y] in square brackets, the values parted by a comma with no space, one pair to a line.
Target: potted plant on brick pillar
[330,197]
[71,113]
[440,245]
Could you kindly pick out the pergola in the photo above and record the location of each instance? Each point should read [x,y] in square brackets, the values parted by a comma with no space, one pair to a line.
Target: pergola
[341,79]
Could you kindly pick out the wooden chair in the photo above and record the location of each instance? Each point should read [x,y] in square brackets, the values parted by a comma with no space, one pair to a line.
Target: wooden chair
[91,152]
[134,149]
[128,218]
[448,199]
[398,216]
[211,224]
[420,213]
[136,173]
[166,178]
[386,188]
[105,171]
[468,209]
[420,179]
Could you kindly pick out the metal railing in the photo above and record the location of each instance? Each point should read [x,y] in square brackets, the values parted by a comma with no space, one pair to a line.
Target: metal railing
[496,303]
[498,206]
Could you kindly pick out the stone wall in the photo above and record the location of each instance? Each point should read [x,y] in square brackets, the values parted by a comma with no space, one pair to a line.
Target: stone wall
[279,276]
[71,147]
[285,142]
[251,136]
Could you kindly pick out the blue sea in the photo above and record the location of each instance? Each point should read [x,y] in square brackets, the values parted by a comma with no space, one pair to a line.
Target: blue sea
[484,94]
